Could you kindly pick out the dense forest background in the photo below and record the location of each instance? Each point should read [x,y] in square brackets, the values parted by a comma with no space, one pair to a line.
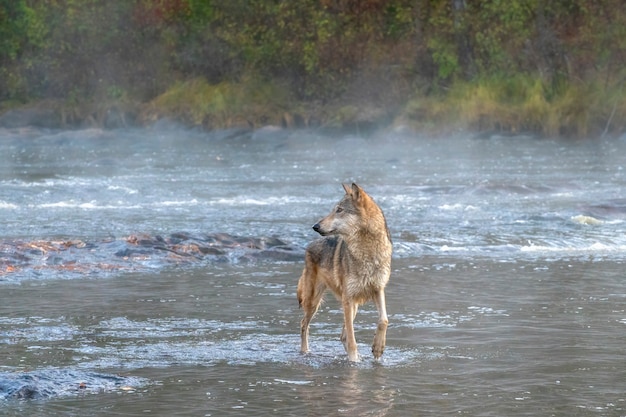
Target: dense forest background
[547,67]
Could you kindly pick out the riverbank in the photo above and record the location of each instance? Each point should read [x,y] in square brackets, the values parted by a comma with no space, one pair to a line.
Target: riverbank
[435,67]
[507,106]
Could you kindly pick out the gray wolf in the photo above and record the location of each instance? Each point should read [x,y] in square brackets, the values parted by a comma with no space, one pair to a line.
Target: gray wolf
[353,260]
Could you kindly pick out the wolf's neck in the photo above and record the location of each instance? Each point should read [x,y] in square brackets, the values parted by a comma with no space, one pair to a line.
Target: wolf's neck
[370,245]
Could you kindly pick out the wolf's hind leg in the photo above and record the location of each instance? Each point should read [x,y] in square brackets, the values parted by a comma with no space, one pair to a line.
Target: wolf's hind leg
[304,328]
[310,300]
[304,333]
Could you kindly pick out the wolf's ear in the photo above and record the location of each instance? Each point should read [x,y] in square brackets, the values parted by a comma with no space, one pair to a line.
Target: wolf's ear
[356,192]
[353,191]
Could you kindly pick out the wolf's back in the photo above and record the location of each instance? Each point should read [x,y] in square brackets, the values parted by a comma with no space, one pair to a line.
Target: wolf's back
[322,250]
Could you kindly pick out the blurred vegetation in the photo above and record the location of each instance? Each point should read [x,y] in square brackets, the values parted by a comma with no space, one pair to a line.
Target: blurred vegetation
[554,68]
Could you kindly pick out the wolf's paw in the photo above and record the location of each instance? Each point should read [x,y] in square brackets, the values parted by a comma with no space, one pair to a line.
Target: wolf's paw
[378,351]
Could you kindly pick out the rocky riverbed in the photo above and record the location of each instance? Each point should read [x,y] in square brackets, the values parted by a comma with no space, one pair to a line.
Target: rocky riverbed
[22,259]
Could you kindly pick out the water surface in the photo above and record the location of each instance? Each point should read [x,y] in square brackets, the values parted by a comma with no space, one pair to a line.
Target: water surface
[506,296]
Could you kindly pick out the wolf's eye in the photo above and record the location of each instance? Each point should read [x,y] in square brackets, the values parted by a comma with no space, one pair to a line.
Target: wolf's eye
[339,209]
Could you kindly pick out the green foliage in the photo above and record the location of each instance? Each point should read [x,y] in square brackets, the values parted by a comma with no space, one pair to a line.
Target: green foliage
[226,104]
[549,67]
[501,28]
[13,28]
[523,104]
[445,57]
[477,38]
[21,28]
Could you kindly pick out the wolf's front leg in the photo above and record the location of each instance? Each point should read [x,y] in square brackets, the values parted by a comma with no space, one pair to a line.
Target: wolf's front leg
[347,334]
[381,329]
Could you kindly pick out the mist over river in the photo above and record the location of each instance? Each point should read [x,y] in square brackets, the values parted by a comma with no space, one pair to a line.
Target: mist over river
[153,271]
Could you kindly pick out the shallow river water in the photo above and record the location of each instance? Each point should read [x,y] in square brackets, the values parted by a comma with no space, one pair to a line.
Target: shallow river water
[507,294]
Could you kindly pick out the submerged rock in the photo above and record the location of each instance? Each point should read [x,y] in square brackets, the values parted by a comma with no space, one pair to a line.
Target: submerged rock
[36,259]
[52,383]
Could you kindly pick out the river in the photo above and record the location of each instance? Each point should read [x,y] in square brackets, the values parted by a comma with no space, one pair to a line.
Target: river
[507,292]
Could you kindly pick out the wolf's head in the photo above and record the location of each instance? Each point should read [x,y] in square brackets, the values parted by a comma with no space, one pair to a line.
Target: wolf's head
[355,213]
